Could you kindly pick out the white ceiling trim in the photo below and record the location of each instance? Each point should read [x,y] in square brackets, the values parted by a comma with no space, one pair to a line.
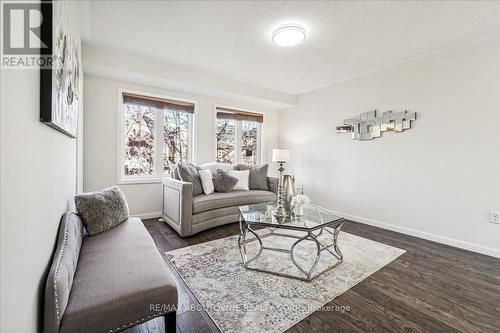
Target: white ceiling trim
[124,66]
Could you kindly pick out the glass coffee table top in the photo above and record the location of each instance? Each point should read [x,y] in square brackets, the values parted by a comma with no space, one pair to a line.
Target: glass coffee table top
[314,217]
[305,237]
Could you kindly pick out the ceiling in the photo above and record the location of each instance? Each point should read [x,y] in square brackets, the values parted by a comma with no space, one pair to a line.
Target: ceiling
[232,39]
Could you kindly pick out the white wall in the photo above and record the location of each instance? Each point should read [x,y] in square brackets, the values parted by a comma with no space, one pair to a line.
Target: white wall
[38,176]
[100,146]
[438,180]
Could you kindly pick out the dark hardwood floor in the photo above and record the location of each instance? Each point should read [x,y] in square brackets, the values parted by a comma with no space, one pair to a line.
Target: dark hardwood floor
[431,288]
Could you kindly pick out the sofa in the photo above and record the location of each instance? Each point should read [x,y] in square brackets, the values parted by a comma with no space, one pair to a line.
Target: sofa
[107,282]
[189,215]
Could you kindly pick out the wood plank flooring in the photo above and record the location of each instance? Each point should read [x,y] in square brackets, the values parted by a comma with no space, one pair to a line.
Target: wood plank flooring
[431,288]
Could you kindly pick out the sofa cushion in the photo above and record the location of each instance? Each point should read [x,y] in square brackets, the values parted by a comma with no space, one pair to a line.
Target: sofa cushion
[223,182]
[62,270]
[216,200]
[119,276]
[174,173]
[214,166]
[189,173]
[206,181]
[242,176]
[258,175]
[216,215]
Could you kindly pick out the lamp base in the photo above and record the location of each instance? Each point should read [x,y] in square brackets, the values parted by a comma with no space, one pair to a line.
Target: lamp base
[280,211]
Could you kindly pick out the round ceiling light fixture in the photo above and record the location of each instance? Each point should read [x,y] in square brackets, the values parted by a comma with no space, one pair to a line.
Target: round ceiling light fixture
[289,35]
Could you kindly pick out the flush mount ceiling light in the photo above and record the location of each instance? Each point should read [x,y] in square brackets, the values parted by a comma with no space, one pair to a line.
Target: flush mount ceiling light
[289,35]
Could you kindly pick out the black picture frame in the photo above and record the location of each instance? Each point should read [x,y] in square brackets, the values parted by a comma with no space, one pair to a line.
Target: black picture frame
[51,112]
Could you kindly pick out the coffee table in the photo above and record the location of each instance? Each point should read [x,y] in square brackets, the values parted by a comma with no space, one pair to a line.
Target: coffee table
[308,227]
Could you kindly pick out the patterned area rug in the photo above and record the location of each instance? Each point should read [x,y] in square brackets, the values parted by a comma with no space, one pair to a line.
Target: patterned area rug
[242,300]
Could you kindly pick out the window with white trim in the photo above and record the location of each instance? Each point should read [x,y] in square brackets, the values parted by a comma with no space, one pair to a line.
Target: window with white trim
[156,134]
[238,136]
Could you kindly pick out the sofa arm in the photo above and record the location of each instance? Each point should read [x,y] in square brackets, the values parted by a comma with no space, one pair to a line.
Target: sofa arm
[272,183]
[178,205]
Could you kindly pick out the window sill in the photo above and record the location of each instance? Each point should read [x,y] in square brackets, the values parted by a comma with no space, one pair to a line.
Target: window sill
[155,180]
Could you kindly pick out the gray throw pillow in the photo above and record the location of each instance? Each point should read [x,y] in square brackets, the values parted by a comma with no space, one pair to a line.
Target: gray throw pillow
[174,173]
[224,182]
[102,210]
[258,176]
[189,173]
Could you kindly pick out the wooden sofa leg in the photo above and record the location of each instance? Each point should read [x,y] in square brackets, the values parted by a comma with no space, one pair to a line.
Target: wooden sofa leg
[170,322]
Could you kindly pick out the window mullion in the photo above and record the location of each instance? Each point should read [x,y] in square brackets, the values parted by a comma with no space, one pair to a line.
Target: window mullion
[238,142]
[259,143]
[159,141]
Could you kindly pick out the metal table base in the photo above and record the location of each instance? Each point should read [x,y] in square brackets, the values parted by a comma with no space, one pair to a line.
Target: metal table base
[309,236]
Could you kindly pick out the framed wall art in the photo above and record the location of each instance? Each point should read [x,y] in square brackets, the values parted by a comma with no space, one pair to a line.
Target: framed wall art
[60,82]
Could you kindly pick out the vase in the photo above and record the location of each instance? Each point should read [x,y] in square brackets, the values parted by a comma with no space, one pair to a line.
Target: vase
[299,210]
[288,191]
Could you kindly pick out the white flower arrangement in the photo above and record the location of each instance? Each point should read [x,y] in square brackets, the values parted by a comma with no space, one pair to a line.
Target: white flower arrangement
[300,200]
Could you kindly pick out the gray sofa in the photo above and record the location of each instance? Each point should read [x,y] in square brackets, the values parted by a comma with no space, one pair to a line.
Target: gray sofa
[107,282]
[189,215]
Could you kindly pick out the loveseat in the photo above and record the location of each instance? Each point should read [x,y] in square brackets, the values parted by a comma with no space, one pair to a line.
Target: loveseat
[189,215]
[107,282]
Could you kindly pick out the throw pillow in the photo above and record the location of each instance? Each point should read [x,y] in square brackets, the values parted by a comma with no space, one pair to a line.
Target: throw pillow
[174,173]
[214,166]
[189,173]
[102,210]
[206,181]
[243,177]
[258,176]
[224,182]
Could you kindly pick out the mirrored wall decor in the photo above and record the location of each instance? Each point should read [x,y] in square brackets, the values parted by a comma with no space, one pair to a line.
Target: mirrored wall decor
[370,125]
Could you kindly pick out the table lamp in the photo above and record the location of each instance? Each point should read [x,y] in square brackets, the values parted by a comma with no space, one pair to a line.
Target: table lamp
[281,156]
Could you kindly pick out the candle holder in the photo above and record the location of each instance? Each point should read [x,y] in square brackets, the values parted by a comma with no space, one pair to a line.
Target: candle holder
[280,211]
[280,156]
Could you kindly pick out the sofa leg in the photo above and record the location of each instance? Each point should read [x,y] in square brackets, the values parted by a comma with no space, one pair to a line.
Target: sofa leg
[170,322]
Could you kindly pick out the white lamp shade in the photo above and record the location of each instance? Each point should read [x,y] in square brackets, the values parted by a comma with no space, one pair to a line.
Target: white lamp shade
[281,155]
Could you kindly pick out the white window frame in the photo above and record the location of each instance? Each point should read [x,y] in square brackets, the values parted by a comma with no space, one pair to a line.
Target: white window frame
[159,143]
[237,132]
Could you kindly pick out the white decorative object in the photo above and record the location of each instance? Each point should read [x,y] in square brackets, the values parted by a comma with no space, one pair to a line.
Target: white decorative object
[281,155]
[299,202]
[206,181]
[243,177]
[370,124]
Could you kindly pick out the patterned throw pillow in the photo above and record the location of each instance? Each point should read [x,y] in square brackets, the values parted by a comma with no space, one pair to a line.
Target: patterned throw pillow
[258,176]
[102,210]
[224,182]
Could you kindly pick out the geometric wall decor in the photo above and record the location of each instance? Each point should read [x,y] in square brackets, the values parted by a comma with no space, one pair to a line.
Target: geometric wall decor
[369,125]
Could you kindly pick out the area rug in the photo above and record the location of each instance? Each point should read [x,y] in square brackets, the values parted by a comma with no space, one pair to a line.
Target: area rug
[242,300]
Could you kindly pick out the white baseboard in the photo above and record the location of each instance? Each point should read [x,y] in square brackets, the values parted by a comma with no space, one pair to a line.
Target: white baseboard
[148,215]
[425,235]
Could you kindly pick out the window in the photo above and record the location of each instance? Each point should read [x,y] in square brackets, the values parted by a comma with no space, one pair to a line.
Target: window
[238,136]
[156,134]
